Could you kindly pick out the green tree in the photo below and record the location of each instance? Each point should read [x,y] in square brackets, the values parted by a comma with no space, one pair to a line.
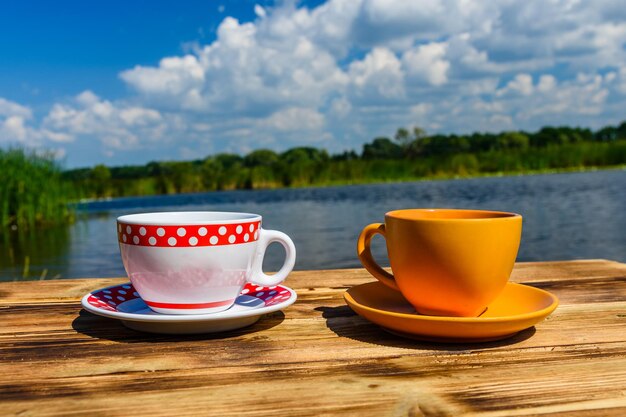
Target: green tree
[300,166]
[211,173]
[549,136]
[183,176]
[382,148]
[414,148]
[403,137]
[606,134]
[418,133]
[305,154]
[101,180]
[345,156]
[621,131]
[234,174]
[261,157]
[511,140]
[409,140]
[261,165]
[463,164]
[482,142]
[409,154]
[229,160]
[223,171]
[443,145]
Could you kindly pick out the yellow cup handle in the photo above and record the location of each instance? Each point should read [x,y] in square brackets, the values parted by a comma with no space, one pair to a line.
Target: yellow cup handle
[365,255]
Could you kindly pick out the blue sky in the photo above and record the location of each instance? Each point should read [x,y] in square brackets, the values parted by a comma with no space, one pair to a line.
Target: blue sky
[58,49]
[129,82]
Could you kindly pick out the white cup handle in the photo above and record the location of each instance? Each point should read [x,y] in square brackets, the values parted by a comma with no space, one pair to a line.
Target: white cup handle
[265,238]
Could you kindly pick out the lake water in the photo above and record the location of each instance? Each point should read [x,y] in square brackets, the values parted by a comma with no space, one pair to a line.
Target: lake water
[566,216]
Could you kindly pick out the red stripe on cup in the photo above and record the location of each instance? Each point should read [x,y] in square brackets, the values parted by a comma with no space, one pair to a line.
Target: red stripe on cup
[190,306]
[188,235]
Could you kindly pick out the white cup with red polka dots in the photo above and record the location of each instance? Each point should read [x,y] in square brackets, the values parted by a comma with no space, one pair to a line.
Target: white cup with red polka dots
[197,262]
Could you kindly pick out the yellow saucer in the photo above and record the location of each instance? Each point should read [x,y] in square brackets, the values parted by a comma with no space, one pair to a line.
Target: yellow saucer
[518,307]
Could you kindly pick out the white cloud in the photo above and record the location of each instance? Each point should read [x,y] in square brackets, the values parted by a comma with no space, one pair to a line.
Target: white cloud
[585,95]
[138,116]
[378,76]
[449,57]
[18,130]
[546,83]
[399,23]
[428,63]
[181,78]
[13,128]
[522,102]
[87,98]
[57,136]
[340,107]
[259,11]
[10,108]
[621,85]
[116,126]
[295,119]
[349,70]
[521,84]
[420,110]
[241,72]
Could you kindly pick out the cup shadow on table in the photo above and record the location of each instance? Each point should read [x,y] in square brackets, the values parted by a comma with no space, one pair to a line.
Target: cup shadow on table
[346,323]
[110,329]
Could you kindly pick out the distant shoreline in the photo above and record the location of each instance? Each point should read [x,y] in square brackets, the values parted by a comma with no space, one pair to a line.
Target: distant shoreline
[390,181]
[472,176]
[37,192]
[409,156]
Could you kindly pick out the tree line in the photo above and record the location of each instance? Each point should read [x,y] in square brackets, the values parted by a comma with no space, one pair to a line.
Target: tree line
[409,154]
[35,190]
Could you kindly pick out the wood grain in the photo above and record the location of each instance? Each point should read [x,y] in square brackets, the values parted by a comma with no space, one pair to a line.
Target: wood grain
[317,357]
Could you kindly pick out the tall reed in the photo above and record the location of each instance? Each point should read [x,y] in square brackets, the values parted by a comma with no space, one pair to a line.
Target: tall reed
[32,192]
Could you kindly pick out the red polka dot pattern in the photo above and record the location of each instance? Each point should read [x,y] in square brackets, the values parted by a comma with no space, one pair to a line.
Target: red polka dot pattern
[110,298]
[188,235]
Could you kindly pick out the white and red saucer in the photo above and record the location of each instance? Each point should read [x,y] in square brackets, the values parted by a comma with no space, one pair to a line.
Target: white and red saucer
[123,303]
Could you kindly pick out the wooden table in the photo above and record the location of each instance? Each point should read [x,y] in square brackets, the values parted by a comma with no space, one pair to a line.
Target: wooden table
[316,358]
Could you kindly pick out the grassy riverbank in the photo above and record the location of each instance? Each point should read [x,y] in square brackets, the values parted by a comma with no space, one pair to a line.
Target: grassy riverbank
[301,167]
[444,176]
[32,192]
[35,191]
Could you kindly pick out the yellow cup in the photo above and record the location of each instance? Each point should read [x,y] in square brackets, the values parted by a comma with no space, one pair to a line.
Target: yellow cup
[445,262]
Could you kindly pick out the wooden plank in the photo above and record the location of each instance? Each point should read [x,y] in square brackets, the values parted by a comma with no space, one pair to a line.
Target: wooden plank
[317,357]
[528,272]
